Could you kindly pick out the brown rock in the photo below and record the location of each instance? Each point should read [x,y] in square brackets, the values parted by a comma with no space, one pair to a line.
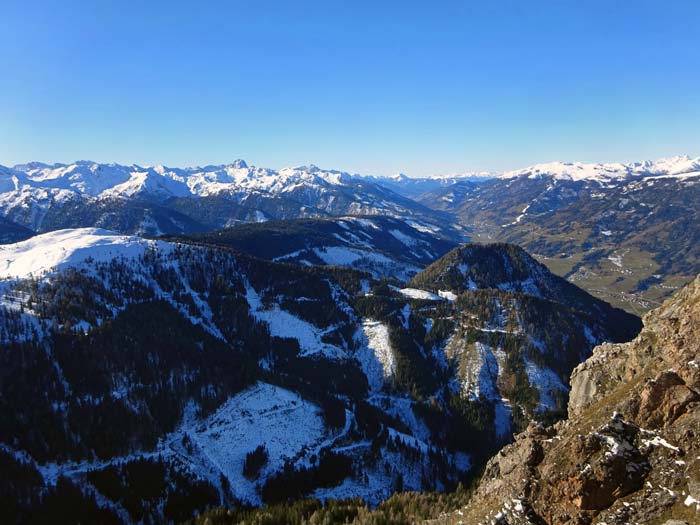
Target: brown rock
[663,400]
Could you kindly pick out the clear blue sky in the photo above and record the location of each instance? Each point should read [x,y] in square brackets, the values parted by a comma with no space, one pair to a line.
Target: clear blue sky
[373,87]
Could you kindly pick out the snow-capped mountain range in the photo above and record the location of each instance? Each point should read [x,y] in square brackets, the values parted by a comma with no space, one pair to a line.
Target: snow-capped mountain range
[415,187]
[88,178]
[626,232]
[159,200]
[679,166]
[156,200]
[160,182]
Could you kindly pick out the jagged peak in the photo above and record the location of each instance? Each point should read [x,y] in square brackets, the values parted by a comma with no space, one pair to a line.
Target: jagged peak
[239,164]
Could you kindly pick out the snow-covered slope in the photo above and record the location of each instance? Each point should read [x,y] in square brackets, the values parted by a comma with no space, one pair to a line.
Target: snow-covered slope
[68,248]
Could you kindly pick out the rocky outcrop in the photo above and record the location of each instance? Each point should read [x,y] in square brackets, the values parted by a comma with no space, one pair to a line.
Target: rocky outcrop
[630,450]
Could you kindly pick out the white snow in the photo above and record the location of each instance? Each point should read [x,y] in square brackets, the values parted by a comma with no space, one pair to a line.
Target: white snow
[377,264]
[265,415]
[545,381]
[502,415]
[409,440]
[402,408]
[480,379]
[615,447]
[33,188]
[407,241]
[415,293]
[341,256]
[64,248]
[519,218]
[527,286]
[616,260]
[406,315]
[690,501]
[447,294]
[487,369]
[37,185]
[289,427]
[659,441]
[677,167]
[423,227]
[375,354]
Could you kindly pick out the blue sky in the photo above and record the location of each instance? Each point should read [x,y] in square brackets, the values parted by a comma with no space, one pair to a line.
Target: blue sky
[371,87]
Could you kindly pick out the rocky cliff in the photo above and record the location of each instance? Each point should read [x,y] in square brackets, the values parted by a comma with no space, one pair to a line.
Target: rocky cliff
[630,450]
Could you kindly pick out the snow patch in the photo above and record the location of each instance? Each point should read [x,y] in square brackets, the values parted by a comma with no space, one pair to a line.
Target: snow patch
[447,294]
[375,355]
[546,382]
[658,441]
[407,241]
[415,293]
[616,260]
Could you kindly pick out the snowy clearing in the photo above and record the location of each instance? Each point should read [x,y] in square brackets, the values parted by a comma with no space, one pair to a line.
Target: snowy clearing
[415,293]
[375,355]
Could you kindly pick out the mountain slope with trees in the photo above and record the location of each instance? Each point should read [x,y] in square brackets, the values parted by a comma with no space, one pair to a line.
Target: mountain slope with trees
[158,360]
[383,246]
[628,453]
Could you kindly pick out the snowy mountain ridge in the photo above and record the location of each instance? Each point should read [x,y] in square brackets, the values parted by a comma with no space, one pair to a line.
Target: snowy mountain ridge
[382,246]
[115,180]
[678,166]
[159,200]
[68,248]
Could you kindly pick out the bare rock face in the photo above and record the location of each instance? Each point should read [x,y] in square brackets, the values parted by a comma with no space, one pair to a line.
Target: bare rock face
[663,400]
[630,450]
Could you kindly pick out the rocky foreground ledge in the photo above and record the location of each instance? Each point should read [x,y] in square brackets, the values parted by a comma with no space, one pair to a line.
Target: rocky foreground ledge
[629,452]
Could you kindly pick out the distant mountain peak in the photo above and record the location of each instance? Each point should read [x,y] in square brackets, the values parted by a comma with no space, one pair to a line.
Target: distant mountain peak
[239,164]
